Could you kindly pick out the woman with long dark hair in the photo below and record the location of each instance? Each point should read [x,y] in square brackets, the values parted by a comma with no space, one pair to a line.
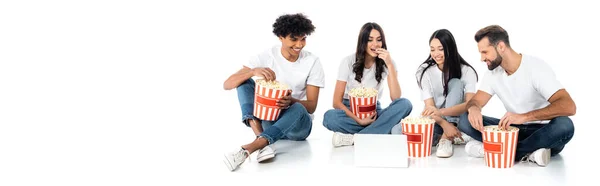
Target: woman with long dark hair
[368,67]
[447,82]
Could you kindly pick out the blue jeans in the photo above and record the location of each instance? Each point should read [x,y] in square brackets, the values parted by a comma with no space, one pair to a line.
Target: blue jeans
[336,119]
[293,123]
[454,97]
[554,135]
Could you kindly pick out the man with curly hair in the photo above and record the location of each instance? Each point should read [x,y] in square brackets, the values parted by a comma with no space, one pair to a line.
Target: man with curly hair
[287,63]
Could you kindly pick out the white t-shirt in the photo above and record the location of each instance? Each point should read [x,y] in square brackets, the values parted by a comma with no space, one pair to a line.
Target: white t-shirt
[306,70]
[368,80]
[432,83]
[528,89]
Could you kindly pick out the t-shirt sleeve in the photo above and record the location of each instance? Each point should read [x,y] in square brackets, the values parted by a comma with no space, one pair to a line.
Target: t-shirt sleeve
[426,89]
[470,79]
[344,70]
[316,77]
[486,83]
[255,61]
[544,80]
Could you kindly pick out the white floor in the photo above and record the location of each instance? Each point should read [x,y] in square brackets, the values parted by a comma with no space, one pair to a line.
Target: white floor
[305,162]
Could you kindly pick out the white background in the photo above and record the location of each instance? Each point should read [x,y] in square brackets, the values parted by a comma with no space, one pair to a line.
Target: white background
[130,92]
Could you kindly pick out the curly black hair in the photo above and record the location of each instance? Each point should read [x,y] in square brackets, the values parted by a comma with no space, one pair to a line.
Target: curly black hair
[294,24]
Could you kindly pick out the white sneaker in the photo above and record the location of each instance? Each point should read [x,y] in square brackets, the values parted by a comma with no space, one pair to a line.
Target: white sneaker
[540,157]
[265,153]
[341,139]
[474,148]
[465,139]
[445,148]
[234,159]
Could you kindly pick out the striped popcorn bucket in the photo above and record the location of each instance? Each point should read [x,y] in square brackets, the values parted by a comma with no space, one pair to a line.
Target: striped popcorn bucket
[419,137]
[363,107]
[265,102]
[499,146]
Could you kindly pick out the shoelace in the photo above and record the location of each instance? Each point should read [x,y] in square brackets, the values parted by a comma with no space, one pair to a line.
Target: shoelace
[447,145]
[526,159]
[241,155]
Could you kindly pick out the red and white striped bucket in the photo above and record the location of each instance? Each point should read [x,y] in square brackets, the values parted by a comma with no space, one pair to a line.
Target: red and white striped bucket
[265,102]
[499,146]
[363,107]
[419,134]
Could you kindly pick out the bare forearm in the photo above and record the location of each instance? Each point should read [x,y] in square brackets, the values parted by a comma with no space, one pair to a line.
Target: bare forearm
[473,104]
[393,84]
[236,79]
[455,110]
[341,106]
[559,108]
[310,106]
[441,121]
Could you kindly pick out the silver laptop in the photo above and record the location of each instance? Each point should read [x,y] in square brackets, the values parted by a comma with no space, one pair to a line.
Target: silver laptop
[380,150]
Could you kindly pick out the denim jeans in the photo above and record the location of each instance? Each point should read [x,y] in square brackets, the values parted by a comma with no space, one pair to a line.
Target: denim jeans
[454,97]
[294,123]
[336,119]
[554,135]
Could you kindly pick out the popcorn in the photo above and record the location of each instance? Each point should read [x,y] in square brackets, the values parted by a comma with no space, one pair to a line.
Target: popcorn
[363,92]
[418,120]
[272,84]
[495,128]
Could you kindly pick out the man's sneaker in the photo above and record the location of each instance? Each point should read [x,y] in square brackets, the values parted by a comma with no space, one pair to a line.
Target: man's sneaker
[265,153]
[540,157]
[341,139]
[444,148]
[233,160]
[474,148]
[465,139]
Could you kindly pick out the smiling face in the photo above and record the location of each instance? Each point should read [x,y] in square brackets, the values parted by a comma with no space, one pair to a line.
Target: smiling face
[489,54]
[374,43]
[292,46]
[437,51]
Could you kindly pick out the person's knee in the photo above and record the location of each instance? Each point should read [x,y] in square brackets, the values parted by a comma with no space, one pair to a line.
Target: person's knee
[565,126]
[298,108]
[249,83]
[402,103]
[397,129]
[329,118]
[455,83]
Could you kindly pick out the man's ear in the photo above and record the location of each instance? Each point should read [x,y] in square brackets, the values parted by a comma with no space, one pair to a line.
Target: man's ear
[501,46]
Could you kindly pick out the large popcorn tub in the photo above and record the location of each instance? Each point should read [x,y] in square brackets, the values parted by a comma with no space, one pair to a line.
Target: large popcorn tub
[419,135]
[266,95]
[363,102]
[499,146]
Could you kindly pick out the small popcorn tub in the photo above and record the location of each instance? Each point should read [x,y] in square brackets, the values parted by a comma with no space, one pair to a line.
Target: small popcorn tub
[266,95]
[363,101]
[419,135]
[499,146]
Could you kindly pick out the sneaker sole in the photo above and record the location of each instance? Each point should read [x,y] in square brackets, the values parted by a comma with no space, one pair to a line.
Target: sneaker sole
[265,157]
[442,156]
[227,163]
